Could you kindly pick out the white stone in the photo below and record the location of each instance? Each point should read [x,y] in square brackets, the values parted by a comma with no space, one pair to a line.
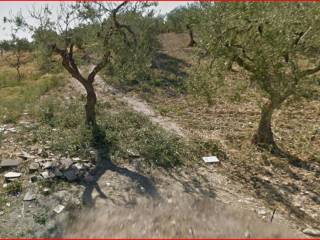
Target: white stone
[47,165]
[312,232]
[58,209]
[211,159]
[12,175]
[29,196]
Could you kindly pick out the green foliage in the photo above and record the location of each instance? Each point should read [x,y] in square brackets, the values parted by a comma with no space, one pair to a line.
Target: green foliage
[269,40]
[16,96]
[129,130]
[63,128]
[132,64]
[178,19]
[14,188]
[205,80]
[40,218]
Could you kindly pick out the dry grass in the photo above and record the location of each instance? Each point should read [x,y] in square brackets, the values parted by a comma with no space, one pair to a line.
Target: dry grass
[15,95]
[233,120]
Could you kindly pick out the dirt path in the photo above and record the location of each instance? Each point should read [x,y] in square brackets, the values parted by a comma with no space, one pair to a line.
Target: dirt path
[242,212]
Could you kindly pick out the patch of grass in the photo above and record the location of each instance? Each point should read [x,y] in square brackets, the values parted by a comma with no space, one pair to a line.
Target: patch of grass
[16,96]
[40,218]
[130,130]
[3,200]
[63,128]
[14,188]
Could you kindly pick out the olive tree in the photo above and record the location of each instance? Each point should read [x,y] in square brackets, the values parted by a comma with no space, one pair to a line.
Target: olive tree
[270,41]
[16,45]
[94,27]
[183,19]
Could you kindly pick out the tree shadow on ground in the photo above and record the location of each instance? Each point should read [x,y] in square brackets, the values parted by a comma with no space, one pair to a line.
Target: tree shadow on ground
[274,196]
[194,182]
[170,64]
[293,160]
[173,69]
[104,164]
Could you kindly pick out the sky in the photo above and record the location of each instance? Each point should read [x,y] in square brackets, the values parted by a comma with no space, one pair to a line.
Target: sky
[7,8]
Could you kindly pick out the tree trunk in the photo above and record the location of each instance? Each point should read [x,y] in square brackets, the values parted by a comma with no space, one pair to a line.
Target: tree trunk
[18,64]
[19,76]
[90,106]
[192,41]
[264,136]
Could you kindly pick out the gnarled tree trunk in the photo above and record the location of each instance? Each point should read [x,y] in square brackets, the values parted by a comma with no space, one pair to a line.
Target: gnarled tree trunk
[90,106]
[264,135]
[192,41]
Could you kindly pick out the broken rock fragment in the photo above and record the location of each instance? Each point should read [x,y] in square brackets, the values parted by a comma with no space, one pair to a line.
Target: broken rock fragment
[312,232]
[11,175]
[58,209]
[65,163]
[10,162]
[34,166]
[29,196]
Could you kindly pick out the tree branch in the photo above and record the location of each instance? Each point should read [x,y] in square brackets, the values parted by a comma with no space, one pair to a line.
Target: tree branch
[69,63]
[99,67]
[243,64]
[309,71]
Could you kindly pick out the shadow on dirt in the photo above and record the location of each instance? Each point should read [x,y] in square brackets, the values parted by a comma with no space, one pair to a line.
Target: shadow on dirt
[105,164]
[294,160]
[173,70]
[274,196]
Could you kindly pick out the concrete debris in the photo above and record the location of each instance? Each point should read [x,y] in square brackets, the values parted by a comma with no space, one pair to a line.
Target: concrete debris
[65,163]
[47,165]
[78,166]
[10,162]
[76,159]
[211,159]
[29,196]
[58,209]
[10,175]
[46,175]
[312,232]
[34,166]
[25,155]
